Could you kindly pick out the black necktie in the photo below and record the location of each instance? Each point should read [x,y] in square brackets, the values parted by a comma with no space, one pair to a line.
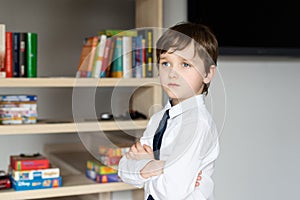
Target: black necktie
[158,138]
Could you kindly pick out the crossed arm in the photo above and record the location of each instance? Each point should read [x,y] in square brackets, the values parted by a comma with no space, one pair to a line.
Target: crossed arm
[154,167]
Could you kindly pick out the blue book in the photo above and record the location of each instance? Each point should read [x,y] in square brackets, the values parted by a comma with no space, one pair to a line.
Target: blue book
[18,98]
[16,54]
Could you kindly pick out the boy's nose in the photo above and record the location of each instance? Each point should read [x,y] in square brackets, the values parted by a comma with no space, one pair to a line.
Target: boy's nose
[173,73]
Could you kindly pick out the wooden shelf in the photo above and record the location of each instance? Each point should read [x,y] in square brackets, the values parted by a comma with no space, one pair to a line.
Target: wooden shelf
[72,185]
[76,82]
[71,127]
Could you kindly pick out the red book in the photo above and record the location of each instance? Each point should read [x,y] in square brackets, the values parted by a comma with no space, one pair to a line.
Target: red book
[9,54]
[29,162]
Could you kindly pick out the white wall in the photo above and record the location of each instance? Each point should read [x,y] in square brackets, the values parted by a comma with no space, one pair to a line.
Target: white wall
[260,140]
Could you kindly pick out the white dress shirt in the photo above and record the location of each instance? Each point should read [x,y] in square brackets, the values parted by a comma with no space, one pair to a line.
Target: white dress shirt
[190,144]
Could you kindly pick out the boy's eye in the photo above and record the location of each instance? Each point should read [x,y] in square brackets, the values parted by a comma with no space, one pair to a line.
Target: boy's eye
[186,65]
[165,64]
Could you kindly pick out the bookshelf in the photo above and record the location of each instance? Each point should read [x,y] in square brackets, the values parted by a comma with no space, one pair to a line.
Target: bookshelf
[148,13]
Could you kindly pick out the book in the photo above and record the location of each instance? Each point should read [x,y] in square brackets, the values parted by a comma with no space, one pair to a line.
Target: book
[16,54]
[8,54]
[18,98]
[22,185]
[22,55]
[107,50]
[98,178]
[110,56]
[98,59]
[86,57]
[118,32]
[139,57]
[117,63]
[29,162]
[147,34]
[35,174]
[127,57]
[31,54]
[2,50]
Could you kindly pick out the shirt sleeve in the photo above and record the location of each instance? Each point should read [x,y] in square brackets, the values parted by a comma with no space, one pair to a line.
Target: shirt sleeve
[195,149]
[129,170]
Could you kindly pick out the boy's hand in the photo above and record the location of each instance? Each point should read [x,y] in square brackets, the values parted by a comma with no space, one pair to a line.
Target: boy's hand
[197,184]
[153,168]
[139,152]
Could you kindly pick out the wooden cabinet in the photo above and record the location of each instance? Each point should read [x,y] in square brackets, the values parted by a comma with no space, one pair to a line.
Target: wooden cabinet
[149,93]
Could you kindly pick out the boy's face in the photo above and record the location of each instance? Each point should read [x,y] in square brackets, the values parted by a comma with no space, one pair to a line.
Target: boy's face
[182,74]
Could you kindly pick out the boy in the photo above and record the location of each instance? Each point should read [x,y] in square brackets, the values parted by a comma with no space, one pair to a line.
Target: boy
[187,57]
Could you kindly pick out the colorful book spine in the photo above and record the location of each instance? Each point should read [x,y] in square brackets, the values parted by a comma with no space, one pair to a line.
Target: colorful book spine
[9,54]
[147,34]
[98,178]
[23,55]
[91,56]
[139,57]
[16,54]
[35,174]
[134,59]
[127,57]
[105,61]
[31,55]
[36,184]
[118,32]
[85,57]
[2,50]
[100,168]
[24,162]
[98,60]
[110,57]
[18,98]
[117,64]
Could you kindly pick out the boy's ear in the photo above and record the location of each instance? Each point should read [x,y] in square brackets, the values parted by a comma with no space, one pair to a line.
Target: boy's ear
[210,75]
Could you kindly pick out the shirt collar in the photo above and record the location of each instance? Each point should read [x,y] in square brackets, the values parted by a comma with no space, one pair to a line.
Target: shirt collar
[188,104]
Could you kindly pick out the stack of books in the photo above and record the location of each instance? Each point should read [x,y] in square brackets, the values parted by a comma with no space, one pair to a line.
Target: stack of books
[117,53]
[101,173]
[18,53]
[18,109]
[29,172]
[104,170]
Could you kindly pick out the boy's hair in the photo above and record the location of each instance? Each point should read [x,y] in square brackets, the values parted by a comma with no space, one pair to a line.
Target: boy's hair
[181,35]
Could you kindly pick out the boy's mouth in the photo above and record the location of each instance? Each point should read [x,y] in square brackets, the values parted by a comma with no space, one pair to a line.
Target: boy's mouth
[173,85]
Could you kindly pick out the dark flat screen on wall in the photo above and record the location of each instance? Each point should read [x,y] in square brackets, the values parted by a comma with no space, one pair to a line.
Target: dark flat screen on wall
[251,27]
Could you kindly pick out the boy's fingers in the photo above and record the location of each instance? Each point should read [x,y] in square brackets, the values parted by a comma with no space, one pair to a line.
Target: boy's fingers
[147,148]
[139,147]
[133,148]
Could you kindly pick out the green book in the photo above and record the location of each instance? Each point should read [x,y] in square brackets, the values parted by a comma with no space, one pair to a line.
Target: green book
[117,64]
[31,54]
[118,32]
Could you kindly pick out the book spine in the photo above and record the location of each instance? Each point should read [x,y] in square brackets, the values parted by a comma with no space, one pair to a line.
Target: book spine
[18,98]
[139,57]
[127,58]
[147,34]
[110,57]
[9,55]
[144,51]
[16,54]
[2,50]
[117,65]
[35,174]
[99,57]
[92,54]
[134,61]
[149,53]
[22,55]
[106,57]
[31,55]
